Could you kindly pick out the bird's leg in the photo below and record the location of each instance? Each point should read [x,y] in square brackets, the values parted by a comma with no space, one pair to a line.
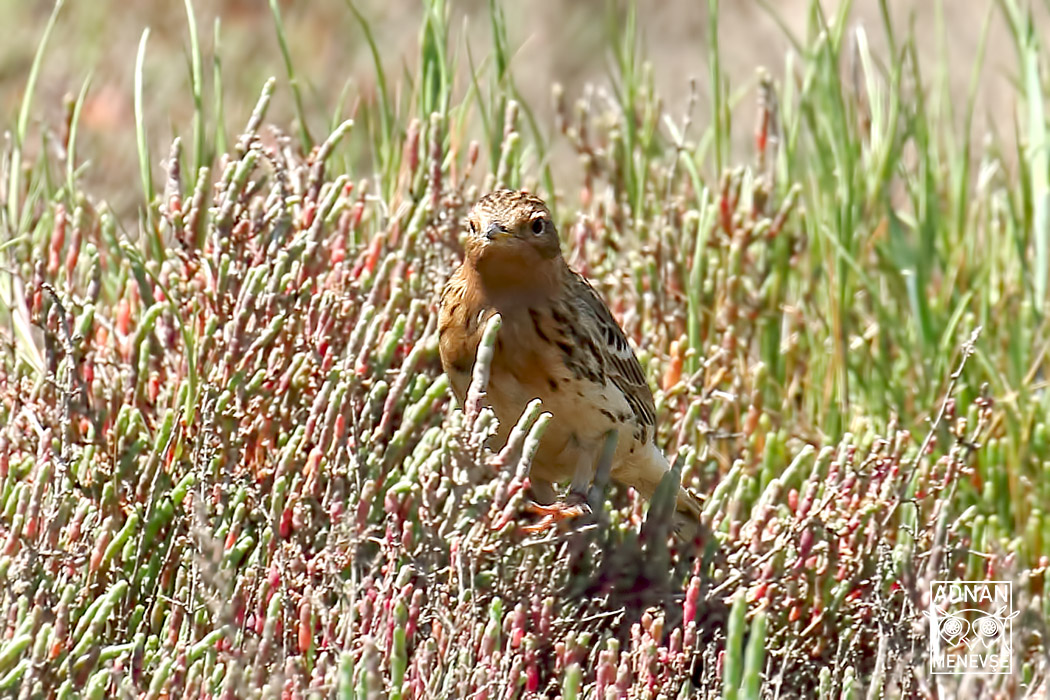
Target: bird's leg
[541,490]
[575,502]
[581,479]
[596,494]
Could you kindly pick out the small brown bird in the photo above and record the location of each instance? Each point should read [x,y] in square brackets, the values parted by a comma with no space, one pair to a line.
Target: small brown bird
[558,342]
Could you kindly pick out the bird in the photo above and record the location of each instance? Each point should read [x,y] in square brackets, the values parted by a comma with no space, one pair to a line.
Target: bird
[559,343]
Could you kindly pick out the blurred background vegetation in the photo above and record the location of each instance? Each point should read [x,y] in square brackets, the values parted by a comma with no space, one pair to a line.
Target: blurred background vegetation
[552,41]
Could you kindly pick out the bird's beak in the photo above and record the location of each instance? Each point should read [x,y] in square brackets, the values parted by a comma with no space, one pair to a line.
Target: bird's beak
[495,231]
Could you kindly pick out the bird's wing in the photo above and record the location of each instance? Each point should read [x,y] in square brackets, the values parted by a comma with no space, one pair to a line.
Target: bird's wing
[620,363]
[456,343]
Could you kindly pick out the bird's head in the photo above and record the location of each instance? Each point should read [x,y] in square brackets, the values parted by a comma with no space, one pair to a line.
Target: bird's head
[513,227]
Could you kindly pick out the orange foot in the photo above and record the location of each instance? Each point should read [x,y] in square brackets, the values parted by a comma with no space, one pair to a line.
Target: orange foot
[573,507]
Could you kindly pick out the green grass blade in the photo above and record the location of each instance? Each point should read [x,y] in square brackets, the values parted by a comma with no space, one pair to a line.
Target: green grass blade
[14,185]
[197,89]
[145,160]
[383,152]
[306,142]
[1039,162]
[219,118]
[71,147]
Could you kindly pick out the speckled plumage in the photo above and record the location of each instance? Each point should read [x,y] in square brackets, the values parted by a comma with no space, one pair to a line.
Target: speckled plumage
[558,342]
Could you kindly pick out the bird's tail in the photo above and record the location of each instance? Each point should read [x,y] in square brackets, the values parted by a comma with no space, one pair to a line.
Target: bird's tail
[661,484]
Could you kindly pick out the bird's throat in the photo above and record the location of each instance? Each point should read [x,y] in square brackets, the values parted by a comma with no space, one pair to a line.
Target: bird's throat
[510,279]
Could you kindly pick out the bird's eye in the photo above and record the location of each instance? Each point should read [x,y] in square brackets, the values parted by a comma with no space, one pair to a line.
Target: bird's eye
[537,226]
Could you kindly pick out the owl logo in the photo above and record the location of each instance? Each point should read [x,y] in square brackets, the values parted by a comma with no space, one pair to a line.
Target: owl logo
[967,639]
[973,628]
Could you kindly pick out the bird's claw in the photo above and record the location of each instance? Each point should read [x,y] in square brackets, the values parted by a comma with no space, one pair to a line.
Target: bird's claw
[574,506]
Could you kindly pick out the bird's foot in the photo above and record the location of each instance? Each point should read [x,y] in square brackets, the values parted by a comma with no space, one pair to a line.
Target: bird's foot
[574,506]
